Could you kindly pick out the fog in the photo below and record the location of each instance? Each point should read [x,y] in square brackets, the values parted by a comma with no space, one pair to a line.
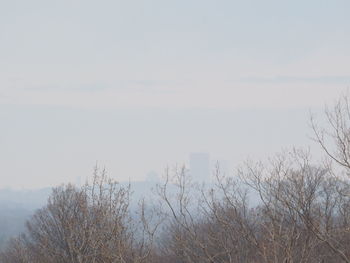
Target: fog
[139,88]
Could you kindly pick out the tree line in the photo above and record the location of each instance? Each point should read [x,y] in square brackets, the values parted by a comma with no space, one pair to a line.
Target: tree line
[289,209]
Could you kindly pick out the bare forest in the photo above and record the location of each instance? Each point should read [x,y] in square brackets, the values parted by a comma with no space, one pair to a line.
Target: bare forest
[289,209]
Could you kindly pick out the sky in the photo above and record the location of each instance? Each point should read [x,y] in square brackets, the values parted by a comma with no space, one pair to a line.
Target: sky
[136,86]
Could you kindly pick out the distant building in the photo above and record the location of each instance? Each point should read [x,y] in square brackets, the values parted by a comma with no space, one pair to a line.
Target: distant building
[200,167]
[224,167]
[78,182]
[152,176]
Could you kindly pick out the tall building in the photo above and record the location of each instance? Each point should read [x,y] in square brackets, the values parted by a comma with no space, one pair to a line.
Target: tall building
[200,167]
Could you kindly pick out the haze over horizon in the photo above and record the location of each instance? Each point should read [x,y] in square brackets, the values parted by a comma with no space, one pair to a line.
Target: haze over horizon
[138,85]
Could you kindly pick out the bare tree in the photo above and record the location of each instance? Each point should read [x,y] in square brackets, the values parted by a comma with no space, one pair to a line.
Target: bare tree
[207,224]
[301,216]
[307,199]
[334,136]
[91,224]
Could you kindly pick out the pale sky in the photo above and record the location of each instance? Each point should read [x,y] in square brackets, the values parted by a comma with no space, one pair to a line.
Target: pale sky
[138,85]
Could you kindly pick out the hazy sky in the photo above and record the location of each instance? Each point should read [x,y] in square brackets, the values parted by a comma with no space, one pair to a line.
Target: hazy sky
[138,85]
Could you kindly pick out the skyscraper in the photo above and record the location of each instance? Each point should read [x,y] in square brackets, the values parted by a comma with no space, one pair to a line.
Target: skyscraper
[200,167]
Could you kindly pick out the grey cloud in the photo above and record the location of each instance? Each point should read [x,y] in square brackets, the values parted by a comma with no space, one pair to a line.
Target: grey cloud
[143,86]
[296,79]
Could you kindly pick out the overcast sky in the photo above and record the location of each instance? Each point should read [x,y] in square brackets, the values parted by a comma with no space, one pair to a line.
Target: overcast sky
[138,85]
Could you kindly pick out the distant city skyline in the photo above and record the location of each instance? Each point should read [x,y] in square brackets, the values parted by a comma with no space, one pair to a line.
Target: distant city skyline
[199,166]
[137,85]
